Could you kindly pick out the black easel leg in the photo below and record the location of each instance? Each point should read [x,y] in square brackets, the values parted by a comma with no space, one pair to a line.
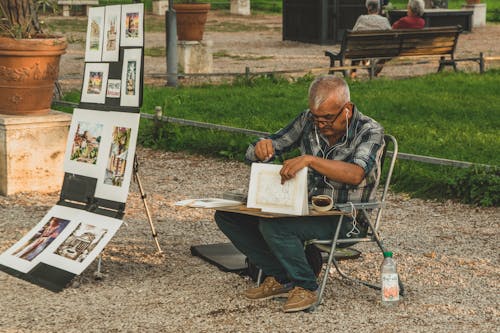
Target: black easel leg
[143,197]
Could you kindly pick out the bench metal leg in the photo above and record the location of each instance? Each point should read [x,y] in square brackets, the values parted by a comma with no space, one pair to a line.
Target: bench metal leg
[443,62]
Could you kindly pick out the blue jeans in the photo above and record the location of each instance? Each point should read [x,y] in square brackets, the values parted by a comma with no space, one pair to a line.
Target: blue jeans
[276,245]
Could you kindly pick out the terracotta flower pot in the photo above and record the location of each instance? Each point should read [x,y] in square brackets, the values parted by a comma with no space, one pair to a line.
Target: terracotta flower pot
[28,71]
[191,19]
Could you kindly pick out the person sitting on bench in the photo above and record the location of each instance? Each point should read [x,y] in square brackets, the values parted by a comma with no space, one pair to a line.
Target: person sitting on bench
[413,19]
[371,21]
[342,148]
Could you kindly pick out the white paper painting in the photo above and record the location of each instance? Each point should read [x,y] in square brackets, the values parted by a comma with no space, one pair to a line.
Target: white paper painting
[111,44]
[132,29]
[114,180]
[114,88]
[31,249]
[95,32]
[267,193]
[131,74]
[87,144]
[84,244]
[95,82]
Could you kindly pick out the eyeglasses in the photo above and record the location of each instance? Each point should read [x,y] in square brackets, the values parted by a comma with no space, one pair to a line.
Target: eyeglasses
[328,120]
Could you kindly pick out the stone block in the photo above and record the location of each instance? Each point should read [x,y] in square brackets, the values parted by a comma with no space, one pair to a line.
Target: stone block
[240,7]
[32,152]
[479,15]
[195,57]
[160,7]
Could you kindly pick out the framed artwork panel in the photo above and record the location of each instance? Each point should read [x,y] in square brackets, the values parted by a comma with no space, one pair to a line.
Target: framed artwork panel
[95,82]
[114,180]
[131,77]
[95,33]
[32,248]
[88,141]
[80,248]
[112,24]
[132,29]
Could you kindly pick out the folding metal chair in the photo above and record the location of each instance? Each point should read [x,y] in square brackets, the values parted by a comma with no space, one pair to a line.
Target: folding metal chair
[370,209]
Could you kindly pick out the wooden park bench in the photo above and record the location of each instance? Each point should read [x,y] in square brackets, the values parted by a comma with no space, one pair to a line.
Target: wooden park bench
[66,4]
[389,44]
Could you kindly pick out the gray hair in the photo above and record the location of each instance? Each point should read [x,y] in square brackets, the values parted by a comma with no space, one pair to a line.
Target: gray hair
[373,6]
[417,7]
[324,87]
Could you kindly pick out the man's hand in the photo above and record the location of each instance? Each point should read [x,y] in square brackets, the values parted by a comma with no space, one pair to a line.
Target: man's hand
[264,149]
[292,166]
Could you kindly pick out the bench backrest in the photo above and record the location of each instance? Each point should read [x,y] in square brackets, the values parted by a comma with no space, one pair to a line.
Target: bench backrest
[404,42]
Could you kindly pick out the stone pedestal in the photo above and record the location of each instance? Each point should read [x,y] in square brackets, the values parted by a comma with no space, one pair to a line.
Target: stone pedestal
[240,7]
[32,152]
[159,7]
[479,16]
[195,57]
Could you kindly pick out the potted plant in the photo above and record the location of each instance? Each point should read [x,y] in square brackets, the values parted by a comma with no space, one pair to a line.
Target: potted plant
[29,59]
[191,19]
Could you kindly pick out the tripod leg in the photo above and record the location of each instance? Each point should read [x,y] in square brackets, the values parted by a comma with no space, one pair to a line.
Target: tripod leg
[143,197]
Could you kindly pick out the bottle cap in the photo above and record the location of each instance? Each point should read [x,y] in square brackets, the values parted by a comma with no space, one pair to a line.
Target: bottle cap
[388,254]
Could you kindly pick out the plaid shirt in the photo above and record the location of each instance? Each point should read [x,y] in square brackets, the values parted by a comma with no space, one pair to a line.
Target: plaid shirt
[362,146]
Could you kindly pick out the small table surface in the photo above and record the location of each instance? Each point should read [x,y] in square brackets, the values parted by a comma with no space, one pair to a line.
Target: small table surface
[243,209]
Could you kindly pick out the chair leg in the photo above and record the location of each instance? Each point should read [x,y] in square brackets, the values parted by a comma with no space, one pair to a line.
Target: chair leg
[329,262]
[259,277]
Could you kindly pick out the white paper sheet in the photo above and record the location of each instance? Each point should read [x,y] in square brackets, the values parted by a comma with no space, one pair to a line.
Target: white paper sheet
[266,192]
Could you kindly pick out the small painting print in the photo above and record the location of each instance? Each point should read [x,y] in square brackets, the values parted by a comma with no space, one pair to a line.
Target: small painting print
[115,169]
[95,33]
[111,42]
[114,87]
[81,242]
[95,83]
[132,28]
[41,239]
[132,25]
[131,77]
[86,142]
[111,35]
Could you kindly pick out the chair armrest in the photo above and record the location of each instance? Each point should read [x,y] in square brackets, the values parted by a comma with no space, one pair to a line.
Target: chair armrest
[347,207]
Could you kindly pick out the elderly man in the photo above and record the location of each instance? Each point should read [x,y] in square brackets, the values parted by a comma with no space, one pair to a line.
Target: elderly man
[341,147]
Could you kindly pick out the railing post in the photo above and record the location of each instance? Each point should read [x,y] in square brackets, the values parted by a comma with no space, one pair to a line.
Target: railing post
[481,63]
[157,122]
[247,74]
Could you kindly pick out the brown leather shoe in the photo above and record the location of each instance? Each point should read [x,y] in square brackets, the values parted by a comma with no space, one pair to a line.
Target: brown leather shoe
[300,299]
[270,288]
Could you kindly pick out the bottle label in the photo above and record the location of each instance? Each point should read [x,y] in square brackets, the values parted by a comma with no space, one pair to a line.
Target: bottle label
[390,287]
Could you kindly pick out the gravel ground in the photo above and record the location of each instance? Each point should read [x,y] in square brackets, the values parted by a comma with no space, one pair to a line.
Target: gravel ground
[447,255]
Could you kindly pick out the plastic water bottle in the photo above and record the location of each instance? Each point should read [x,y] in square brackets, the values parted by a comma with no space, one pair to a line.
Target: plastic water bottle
[389,278]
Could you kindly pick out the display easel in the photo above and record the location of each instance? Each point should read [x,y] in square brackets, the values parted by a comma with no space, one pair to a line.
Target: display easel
[154,234]
[78,192]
